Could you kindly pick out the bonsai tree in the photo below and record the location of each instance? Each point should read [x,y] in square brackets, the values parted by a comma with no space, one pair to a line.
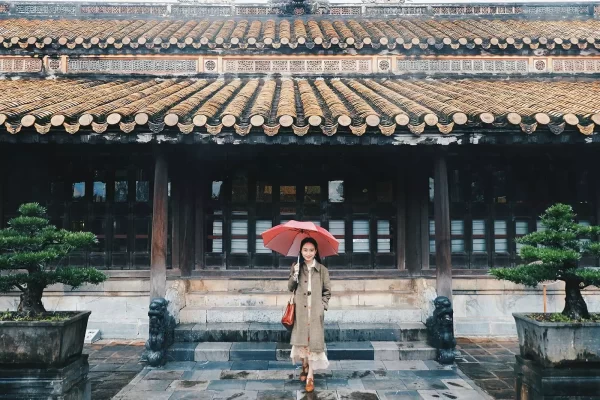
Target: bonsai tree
[31,249]
[554,254]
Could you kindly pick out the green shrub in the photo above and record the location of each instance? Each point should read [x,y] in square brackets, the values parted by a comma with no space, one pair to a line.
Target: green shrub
[554,254]
[30,246]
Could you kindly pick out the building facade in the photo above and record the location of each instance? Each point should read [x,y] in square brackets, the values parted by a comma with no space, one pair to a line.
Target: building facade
[425,137]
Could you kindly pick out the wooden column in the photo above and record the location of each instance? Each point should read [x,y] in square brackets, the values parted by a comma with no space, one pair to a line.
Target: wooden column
[186,261]
[160,222]
[199,222]
[401,220]
[2,178]
[417,231]
[176,191]
[424,221]
[1,202]
[442,228]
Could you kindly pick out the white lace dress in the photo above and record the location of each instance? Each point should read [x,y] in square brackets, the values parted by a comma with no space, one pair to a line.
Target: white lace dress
[315,360]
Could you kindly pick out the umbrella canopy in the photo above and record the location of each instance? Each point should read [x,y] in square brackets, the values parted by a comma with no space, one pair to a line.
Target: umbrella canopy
[286,238]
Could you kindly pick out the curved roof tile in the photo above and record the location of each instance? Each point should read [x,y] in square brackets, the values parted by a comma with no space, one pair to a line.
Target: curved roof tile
[290,33]
[266,105]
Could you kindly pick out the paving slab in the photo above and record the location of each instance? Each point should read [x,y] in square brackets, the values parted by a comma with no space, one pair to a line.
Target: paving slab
[191,395]
[284,365]
[213,365]
[266,384]
[399,395]
[317,394]
[202,375]
[374,384]
[242,351]
[276,395]
[189,385]
[227,385]
[359,365]
[163,375]
[212,351]
[357,395]
[278,374]
[405,365]
[239,375]
[423,384]
[246,365]
[235,394]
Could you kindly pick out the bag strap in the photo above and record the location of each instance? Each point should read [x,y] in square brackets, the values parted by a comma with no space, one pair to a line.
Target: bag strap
[292,298]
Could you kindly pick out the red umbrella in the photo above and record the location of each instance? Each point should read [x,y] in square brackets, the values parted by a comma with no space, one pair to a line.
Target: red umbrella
[286,238]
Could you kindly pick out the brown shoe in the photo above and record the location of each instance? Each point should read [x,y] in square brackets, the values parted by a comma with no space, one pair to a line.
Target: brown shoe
[310,385]
[303,374]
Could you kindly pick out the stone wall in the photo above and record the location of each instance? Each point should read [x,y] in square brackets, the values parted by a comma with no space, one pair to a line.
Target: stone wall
[483,306]
[119,306]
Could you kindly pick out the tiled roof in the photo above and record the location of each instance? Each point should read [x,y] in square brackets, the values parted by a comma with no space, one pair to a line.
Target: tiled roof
[271,106]
[290,33]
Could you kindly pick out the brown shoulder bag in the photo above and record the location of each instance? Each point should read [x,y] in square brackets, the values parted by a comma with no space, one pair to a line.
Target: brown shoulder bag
[289,314]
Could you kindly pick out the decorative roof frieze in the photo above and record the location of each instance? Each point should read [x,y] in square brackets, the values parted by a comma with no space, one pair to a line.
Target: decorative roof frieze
[189,9]
[286,65]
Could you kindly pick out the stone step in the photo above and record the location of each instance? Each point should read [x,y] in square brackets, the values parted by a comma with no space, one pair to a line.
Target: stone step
[272,314]
[277,298]
[281,285]
[273,351]
[266,332]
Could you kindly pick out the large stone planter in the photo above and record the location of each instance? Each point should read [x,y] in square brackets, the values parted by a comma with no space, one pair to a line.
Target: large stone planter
[558,344]
[42,344]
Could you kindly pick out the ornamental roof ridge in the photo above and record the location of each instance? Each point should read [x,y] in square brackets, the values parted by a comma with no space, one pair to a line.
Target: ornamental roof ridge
[338,8]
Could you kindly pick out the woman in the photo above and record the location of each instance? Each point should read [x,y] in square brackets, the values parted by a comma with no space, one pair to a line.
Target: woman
[310,281]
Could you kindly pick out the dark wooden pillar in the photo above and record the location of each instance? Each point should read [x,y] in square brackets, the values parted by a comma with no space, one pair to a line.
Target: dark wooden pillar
[187,220]
[2,199]
[160,222]
[176,197]
[401,220]
[424,221]
[417,222]
[442,228]
[199,222]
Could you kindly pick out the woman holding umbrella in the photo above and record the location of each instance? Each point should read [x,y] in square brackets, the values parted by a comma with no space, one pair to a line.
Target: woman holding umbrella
[310,281]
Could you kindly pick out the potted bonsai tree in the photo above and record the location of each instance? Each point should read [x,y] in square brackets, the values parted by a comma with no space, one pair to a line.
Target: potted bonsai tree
[572,336]
[31,250]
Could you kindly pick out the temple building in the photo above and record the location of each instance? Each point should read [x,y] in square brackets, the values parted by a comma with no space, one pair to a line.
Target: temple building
[425,136]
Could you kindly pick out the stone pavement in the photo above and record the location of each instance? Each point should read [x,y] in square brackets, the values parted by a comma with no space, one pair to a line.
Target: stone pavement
[113,364]
[486,363]
[278,380]
[490,363]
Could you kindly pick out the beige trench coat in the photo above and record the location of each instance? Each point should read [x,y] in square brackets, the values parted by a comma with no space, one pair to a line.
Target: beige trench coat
[321,292]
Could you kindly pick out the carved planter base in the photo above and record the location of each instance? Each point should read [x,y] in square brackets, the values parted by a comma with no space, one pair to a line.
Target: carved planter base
[534,382]
[69,382]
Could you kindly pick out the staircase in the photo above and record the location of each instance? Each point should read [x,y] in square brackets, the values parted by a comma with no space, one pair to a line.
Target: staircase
[239,320]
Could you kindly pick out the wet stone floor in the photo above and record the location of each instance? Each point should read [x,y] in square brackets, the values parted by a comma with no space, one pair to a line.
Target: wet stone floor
[278,380]
[490,364]
[485,371]
[113,364]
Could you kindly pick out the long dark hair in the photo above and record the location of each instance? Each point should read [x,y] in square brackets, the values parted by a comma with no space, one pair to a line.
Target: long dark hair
[314,243]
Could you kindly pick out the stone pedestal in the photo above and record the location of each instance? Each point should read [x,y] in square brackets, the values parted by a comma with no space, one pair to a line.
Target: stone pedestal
[534,382]
[70,382]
